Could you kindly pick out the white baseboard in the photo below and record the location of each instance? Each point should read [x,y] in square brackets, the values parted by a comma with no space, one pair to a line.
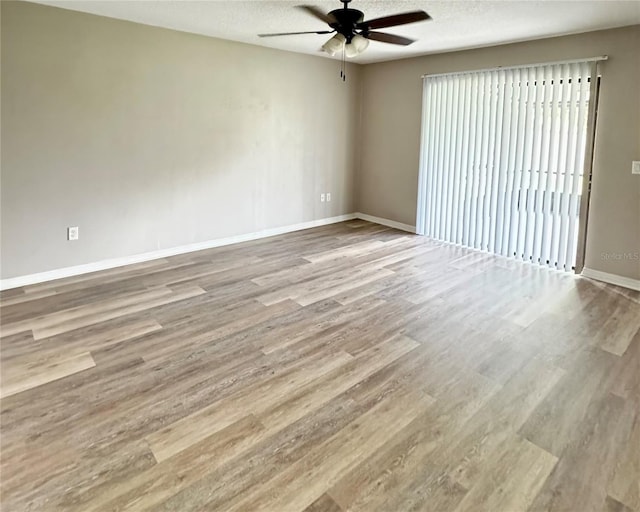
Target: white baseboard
[40,277]
[386,222]
[626,282]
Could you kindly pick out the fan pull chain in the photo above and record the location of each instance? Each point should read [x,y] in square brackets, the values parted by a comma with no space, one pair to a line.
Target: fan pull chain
[343,71]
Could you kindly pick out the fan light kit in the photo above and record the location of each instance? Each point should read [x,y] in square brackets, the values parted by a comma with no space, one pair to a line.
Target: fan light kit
[339,43]
[352,34]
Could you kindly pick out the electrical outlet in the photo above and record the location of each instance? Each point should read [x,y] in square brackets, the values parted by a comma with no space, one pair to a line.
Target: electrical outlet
[328,196]
[322,198]
[635,167]
[73,233]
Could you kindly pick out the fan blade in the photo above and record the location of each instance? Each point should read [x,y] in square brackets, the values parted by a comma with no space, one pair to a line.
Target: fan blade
[296,33]
[396,19]
[389,38]
[317,13]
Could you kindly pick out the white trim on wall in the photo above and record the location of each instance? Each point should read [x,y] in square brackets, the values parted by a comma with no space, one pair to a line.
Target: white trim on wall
[41,277]
[15,282]
[386,222]
[626,282]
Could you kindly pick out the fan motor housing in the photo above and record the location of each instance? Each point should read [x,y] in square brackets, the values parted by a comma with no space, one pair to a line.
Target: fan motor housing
[347,19]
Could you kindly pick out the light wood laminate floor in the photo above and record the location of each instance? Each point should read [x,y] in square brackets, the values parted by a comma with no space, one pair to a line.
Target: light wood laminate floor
[351,367]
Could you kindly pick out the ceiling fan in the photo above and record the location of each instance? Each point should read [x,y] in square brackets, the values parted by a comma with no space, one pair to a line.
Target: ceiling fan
[352,32]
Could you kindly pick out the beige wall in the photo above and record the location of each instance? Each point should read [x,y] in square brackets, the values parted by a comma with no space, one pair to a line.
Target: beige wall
[149,138]
[390,140]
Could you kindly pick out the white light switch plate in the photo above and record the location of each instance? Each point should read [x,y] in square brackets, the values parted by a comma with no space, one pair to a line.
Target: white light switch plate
[73,233]
[322,198]
[635,167]
[328,196]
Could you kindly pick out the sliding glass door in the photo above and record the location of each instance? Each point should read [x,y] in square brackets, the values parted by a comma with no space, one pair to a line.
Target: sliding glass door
[503,159]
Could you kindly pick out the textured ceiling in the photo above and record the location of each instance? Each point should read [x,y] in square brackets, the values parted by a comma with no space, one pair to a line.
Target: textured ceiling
[456,24]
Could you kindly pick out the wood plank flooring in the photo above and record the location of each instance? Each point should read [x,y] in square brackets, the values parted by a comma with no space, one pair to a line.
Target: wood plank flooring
[350,367]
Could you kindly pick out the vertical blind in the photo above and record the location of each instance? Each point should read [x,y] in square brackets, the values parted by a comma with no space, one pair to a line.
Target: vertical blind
[502,160]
